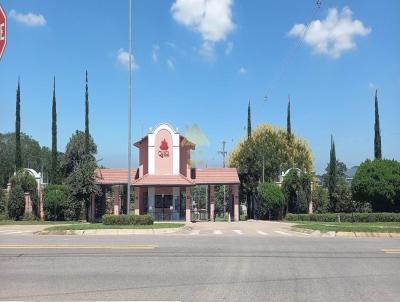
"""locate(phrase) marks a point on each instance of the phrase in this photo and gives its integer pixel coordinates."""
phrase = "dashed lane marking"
(217, 232)
(262, 233)
(391, 251)
(195, 232)
(239, 232)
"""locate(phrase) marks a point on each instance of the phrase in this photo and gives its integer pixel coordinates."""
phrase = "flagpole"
(129, 109)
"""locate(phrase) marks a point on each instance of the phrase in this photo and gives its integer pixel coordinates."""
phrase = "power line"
(223, 153)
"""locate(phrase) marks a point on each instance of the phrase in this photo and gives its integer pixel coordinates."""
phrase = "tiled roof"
(114, 176)
(163, 180)
(216, 176)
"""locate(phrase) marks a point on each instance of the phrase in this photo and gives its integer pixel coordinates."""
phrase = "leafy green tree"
(279, 154)
(87, 135)
(79, 168)
(320, 200)
(378, 182)
(296, 187)
(33, 156)
(340, 169)
(16, 203)
(55, 197)
(332, 176)
(271, 201)
(75, 152)
(54, 154)
(18, 158)
(377, 140)
(3, 203)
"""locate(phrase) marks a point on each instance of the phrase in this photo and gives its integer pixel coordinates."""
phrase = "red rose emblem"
(164, 145)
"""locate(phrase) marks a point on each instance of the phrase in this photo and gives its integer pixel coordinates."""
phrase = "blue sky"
(200, 62)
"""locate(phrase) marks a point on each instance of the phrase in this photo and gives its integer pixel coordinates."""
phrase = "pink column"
(28, 203)
(41, 205)
(117, 199)
(138, 201)
(235, 193)
(212, 202)
(188, 205)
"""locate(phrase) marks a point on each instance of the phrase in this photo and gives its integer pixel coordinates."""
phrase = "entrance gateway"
(164, 179)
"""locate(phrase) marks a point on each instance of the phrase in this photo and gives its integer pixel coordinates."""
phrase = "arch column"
(188, 205)
(235, 193)
(211, 200)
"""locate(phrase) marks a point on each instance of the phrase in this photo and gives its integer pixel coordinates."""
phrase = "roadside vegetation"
(378, 227)
(98, 226)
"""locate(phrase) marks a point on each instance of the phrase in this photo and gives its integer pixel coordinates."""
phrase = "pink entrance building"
(164, 179)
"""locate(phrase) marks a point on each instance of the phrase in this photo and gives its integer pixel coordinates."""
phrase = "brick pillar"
(235, 193)
(8, 187)
(188, 205)
(28, 203)
(41, 205)
(117, 200)
(211, 191)
(138, 201)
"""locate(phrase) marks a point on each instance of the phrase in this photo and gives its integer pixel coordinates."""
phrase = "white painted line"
(17, 232)
(217, 232)
(283, 233)
(195, 232)
(262, 233)
(239, 232)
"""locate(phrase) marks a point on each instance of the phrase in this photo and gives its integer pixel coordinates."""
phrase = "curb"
(316, 233)
(113, 232)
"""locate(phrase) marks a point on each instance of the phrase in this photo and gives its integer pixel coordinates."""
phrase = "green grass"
(35, 222)
(378, 227)
(100, 226)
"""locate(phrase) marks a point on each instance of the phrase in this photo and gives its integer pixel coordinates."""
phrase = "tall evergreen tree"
(289, 126)
(18, 157)
(54, 161)
(377, 141)
(332, 176)
(87, 135)
(248, 121)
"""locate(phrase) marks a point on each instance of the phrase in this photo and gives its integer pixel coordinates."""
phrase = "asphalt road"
(207, 267)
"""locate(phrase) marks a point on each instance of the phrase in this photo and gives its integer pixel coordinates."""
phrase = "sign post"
(3, 31)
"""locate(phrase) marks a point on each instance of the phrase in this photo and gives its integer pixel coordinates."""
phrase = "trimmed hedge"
(346, 217)
(109, 219)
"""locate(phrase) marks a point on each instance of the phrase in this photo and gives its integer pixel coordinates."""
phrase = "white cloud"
(372, 87)
(331, 36)
(154, 53)
(211, 18)
(170, 64)
(229, 48)
(29, 19)
(242, 70)
(207, 50)
(123, 59)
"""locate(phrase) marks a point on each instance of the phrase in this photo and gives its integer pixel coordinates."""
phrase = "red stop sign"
(3, 31)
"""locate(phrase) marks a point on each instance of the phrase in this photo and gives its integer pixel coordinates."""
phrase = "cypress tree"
(377, 141)
(86, 117)
(18, 157)
(332, 175)
(248, 121)
(54, 162)
(289, 126)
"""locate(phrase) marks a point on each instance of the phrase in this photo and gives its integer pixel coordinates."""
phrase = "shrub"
(73, 208)
(127, 219)
(378, 182)
(271, 201)
(29, 217)
(28, 184)
(16, 203)
(3, 217)
(346, 217)
(2, 202)
(320, 200)
(54, 202)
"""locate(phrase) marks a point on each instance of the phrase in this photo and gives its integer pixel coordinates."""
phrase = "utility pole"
(128, 197)
(223, 153)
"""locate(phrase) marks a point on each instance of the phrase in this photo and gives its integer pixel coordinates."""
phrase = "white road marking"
(283, 233)
(239, 232)
(195, 232)
(18, 232)
(217, 232)
(262, 233)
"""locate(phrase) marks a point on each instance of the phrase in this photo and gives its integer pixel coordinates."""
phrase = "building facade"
(164, 179)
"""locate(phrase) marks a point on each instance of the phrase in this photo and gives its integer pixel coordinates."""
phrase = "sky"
(196, 65)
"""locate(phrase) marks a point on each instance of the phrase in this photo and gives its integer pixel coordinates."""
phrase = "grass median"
(370, 227)
(100, 226)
